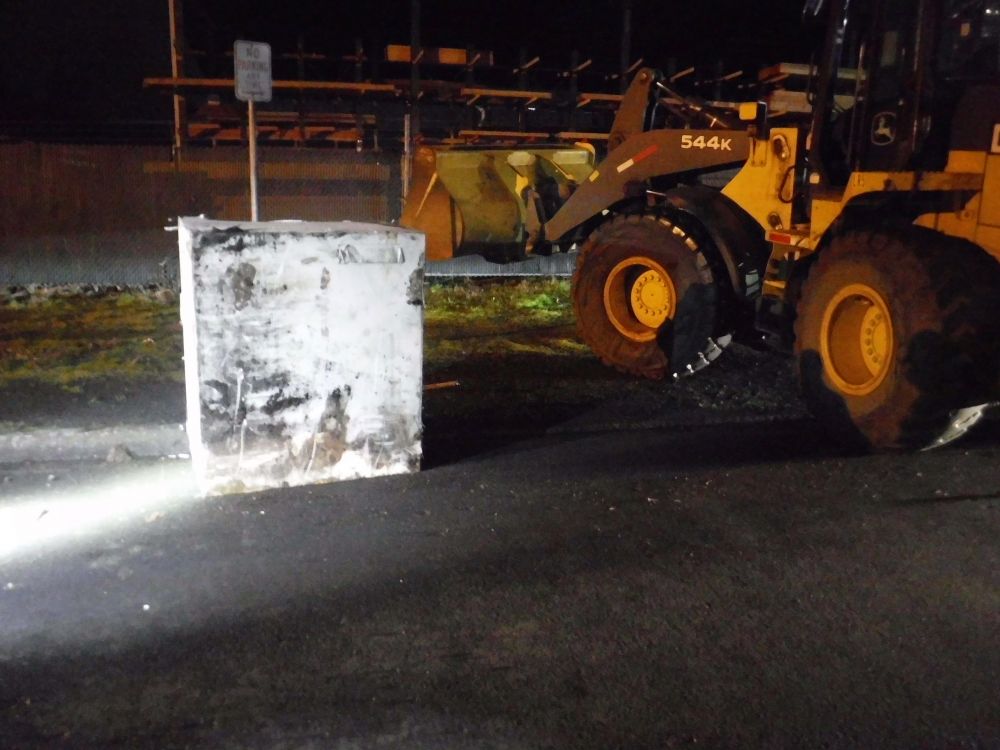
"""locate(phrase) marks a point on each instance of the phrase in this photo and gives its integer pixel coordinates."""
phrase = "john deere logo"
(884, 128)
(995, 149)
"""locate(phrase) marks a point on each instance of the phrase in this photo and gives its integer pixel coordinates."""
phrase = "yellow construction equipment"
(861, 231)
(481, 201)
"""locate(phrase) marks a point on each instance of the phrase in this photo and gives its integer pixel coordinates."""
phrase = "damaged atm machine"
(303, 348)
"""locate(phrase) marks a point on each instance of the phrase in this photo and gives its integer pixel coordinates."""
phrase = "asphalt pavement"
(624, 578)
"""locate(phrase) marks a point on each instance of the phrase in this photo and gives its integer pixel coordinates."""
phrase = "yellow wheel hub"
(856, 340)
(639, 297)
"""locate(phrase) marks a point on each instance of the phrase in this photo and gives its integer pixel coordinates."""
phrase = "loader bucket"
(429, 208)
(473, 202)
(483, 189)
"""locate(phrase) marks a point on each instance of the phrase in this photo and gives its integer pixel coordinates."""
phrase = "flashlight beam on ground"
(43, 521)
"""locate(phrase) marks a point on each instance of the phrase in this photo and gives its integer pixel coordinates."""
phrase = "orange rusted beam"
(505, 93)
(570, 135)
(510, 134)
(599, 97)
(224, 83)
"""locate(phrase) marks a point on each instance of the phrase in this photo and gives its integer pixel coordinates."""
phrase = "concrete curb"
(558, 264)
(78, 444)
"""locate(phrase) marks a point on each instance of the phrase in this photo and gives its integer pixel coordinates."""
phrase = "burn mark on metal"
(280, 401)
(230, 239)
(240, 280)
(415, 288)
(335, 419)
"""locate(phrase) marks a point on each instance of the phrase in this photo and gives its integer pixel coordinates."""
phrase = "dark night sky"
(85, 59)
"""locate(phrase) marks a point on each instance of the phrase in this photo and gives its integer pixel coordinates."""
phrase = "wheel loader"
(862, 235)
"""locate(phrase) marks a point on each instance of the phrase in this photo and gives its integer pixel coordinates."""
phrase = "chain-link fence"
(97, 214)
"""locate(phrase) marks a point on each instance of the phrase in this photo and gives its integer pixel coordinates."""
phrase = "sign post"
(252, 69)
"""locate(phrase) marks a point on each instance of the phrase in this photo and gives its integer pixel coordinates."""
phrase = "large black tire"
(683, 342)
(926, 378)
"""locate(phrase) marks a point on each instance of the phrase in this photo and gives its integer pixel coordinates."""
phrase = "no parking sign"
(252, 66)
(252, 77)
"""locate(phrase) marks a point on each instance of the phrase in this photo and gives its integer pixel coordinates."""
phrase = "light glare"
(60, 518)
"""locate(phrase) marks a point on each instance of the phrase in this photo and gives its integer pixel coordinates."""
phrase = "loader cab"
(883, 47)
(911, 62)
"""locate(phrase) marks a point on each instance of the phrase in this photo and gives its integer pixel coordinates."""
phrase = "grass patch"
(492, 318)
(498, 303)
(68, 338)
